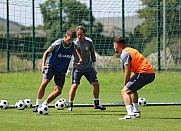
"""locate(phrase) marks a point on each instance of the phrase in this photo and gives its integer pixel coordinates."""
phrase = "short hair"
(81, 28)
(119, 40)
(71, 32)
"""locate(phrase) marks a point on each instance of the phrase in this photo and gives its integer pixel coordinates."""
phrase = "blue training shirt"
(60, 56)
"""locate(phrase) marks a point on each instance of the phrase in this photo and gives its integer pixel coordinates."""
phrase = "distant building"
(113, 25)
(15, 30)
(13, 26)
(23, 33)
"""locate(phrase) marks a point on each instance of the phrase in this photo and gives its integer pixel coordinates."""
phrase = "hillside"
(13, 26)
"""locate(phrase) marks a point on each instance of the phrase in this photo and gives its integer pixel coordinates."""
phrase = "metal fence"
(153, 27)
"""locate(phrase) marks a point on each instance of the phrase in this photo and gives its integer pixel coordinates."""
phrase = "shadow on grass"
(164, 118)
(171, 118)
(90, 113)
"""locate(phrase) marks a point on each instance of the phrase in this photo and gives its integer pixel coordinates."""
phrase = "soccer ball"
(61, 104)
(4, 104)
(142, 101)
(43, 109)
(20, 105)
(28, 103)
(65, 101)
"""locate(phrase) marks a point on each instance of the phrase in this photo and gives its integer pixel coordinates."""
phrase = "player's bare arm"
(79, 53)
(93, 56)
(45, 56)
(127, 73)
(132, 75)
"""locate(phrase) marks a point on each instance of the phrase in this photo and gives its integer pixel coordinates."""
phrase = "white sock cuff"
(135, 104)
(129, 109)
(45, 103)
(38, 101)
(96, 98)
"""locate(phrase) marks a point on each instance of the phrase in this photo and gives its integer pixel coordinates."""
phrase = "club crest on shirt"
(86, 48)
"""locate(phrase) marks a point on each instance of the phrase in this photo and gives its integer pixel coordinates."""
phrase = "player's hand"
(43, 68)
(80, 61)
(95, 68)
(68, 74)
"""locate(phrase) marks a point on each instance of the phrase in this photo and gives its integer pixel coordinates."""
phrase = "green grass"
(165, 88)
(161, 118)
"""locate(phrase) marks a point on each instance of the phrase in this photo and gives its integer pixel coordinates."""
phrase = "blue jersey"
(60, 56)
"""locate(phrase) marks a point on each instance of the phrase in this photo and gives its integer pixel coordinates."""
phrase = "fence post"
(164, 34)
(33, 32)
(123, 25)
(7, 37)
(123, 20)
(60, 10)
(90, 18)
(158, 32)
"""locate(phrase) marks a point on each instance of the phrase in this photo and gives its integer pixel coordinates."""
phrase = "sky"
(20, 11)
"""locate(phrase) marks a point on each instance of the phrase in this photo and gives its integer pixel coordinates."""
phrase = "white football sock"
(70, 101)
(38, 101)
(129, 109)
(135, 107)
(45, 103)
(96, 98)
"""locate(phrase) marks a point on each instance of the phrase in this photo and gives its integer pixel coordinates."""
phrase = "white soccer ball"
(142, 101)
(4, 104)
(61, 104)
(43, 110)
(65, 101)
(28, 103)
(20, 105)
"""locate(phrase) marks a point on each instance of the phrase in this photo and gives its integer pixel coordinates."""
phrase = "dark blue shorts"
(139, 81)
(90, 75)
(59, 78)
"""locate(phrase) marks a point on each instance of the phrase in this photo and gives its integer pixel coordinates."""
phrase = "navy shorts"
(139, 81)
(59, 78)
(90, 75)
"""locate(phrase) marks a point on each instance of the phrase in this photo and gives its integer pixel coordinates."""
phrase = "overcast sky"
(20, 11)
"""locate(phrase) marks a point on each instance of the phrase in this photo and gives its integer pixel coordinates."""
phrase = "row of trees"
(73, 13)
(76, 13)
(173, 26)
(144, 37)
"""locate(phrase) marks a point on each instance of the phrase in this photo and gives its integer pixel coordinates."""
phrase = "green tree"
(148, 13)
(146, 33)
(74, 13)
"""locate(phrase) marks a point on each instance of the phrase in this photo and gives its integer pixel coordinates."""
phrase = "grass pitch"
(160, 118)
(165, 88)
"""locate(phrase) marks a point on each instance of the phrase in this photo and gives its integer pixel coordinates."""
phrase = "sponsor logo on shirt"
(64, 56)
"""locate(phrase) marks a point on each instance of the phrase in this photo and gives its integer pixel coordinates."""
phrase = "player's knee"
(122, 92)
(125, 91)
(58, 92)
(95, 84)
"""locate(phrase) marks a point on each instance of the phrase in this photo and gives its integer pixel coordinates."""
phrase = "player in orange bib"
(142, 73)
